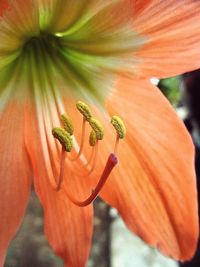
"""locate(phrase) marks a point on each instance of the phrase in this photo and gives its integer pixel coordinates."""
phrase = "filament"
(116, 145)
(91, 156)
(82, 141)
(94, 160)
(62, 168)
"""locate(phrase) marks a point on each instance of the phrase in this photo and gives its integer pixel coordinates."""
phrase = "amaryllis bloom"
(97, 55)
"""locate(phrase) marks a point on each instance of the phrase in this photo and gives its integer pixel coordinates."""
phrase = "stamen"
(82, 141)
(116, 145)
(94, 160)
(63, 137)
(119, 126)
(91, 156)
(67, 124)
(111, 163)
(62, 167)
(84, 110)
(97, 133)
(92, 138)
(94, 144)
(97, 128)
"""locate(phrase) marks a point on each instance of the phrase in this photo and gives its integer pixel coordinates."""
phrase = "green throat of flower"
(64, 136)
(73, 47)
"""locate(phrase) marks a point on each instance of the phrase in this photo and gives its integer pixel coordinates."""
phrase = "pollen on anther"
(67, 124)
(92, 138)
(63, 137)
(97, 128)
(84, 110)
(119, 126)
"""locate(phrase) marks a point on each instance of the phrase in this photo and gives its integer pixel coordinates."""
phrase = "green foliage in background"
(170, 88)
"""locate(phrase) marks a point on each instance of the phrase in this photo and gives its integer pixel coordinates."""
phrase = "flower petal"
(3, 6)
(68, 227)
(154, 186)
(172, 32)
(14, 174)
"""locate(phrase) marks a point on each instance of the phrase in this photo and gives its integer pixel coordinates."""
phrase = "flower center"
(43, 41)
(75, 48)
(64, 136)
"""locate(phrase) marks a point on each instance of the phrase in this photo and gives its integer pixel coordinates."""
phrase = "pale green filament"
(63, 137)
(84, 110)
(67, 124)
(97, 127)
(119, 126)
(92, 138)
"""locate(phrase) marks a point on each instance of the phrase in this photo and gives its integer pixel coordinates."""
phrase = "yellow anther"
(84, 110)
(92, 138)
(67, 124)
(63, 137)
(97, 127)
(119, 126)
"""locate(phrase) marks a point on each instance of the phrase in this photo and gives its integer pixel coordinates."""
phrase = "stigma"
(64, 135)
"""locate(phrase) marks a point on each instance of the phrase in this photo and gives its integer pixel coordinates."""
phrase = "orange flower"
(53, 53)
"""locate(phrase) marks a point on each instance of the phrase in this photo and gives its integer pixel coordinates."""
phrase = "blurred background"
(113, 244)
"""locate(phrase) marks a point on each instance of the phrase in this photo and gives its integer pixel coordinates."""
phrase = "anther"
(119, 126)
(92, 138)
(84, 110)
(67, 124)
(63, 137)
(97, 128)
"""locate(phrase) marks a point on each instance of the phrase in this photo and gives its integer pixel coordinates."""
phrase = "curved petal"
(172, 33)
(68, 227)
(14, 174)
(154, 186)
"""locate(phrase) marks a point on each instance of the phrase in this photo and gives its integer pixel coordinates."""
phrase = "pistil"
(110, 164)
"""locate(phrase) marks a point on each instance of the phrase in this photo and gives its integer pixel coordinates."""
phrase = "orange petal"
(14, 174)
(68, 227)
(172, 33)
(154, 186)
(3, 6)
